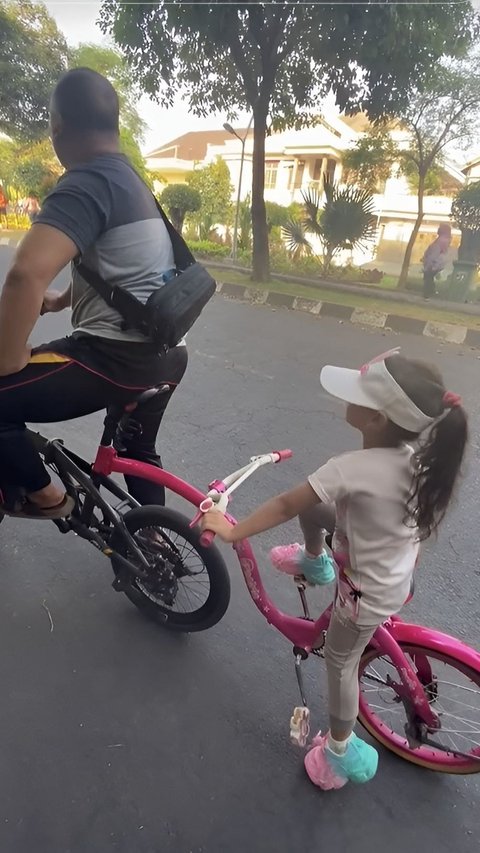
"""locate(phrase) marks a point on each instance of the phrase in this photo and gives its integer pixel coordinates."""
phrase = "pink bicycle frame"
(108, 462)
(303, 632)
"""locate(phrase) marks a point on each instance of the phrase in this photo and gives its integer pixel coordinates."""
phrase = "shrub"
(208, 248)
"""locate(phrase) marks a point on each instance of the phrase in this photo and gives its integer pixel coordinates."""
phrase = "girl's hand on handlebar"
(215, 521)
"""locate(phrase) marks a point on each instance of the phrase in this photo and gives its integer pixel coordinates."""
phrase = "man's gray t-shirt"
(111, 216)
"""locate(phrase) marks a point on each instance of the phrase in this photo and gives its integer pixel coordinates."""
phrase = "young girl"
(379, 503)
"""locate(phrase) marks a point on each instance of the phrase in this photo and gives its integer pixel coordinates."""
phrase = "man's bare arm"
(42, 254)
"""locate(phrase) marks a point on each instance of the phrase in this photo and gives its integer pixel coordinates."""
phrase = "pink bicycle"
(420, 688)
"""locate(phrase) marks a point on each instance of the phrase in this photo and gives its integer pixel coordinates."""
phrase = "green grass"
(369, 303)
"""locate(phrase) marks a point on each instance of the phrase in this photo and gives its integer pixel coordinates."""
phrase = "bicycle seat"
(144, 396)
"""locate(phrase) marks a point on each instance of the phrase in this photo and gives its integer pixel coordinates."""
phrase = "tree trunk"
(402, 281)
(469, 249)
(178, 217)
(260, 257)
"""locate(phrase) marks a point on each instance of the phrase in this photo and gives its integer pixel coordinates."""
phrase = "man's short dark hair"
(86, 102)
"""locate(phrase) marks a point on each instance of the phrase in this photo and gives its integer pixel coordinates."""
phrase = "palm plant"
(345, 221)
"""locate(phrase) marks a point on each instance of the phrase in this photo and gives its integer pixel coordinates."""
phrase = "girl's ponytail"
(438, 463)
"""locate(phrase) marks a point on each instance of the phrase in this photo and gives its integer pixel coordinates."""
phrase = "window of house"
(271, 172)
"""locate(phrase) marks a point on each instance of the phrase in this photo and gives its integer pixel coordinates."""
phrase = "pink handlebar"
(207, 538)
(283, 454)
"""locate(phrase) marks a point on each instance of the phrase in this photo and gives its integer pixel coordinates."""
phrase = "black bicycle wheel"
(188, 588)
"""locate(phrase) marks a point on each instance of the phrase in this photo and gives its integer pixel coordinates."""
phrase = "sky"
(77, 20)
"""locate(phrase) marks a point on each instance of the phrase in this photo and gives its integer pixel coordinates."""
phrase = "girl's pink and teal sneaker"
(293, 560)
(329, 770)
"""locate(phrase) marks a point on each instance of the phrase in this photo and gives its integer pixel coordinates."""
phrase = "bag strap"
(130, 309)
(181, 253)
(118, 297)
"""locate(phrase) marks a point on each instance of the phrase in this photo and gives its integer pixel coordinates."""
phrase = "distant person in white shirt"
(435, 259)
(379, 503)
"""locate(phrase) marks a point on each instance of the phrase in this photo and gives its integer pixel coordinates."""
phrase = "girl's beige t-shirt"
(374, 549)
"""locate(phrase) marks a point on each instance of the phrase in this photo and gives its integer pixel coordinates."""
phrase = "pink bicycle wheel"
(453, 690)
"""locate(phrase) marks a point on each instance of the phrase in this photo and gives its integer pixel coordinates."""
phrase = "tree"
(277, 59)
(36, 169)
(215, 189)
(434, 178)
(277, 215)
(369, 163)
(130, 147)
(346, 221)
(33, 55)
(180, 199)
(8, 156)
(24, 169)
(466, 214)
(445, 113)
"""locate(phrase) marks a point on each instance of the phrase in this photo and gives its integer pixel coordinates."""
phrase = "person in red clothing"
(3, 202)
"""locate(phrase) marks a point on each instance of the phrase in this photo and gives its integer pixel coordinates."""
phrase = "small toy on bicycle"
(378, 503)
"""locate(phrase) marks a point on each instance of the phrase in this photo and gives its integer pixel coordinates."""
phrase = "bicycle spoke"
(452, 683)
(173, 553)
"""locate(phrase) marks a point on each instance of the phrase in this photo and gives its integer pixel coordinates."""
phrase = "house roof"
(193, 145)
(358, 122)
(474, 161)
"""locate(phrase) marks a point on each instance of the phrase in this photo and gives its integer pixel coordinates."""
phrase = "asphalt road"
(117, 736)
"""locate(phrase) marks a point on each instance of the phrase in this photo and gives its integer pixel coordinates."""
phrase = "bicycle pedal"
(300, 726)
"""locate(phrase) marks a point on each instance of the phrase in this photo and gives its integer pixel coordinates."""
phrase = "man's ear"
(56, 124)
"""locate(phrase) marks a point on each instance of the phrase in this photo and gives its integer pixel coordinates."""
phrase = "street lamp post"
(229, 129)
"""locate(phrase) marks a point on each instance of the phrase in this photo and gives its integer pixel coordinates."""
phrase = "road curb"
(446, 332)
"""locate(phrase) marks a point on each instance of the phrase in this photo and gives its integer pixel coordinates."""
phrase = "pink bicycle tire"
(424, 756)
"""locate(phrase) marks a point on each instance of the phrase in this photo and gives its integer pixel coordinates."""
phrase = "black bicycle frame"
(75, 471)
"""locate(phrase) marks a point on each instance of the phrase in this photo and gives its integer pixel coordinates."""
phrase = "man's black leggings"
(74, 377)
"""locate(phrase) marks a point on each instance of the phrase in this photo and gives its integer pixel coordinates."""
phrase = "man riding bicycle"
(102, 211)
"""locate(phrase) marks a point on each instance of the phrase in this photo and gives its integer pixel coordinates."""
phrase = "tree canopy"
(28, 169)
(279, 59)
(180, 199)
(215, 190)
(33, 55)
(369, 163)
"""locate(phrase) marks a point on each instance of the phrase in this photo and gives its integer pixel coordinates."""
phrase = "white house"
(298, 160)
(471, 170)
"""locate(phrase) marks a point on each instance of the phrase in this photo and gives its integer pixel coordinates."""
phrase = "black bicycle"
(157, 556)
